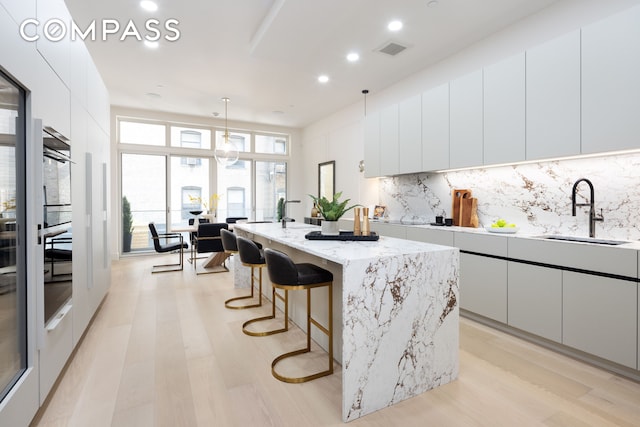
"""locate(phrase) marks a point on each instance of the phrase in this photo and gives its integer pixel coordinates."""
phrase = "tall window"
(177, 175)
(143, 184)
(189, 188)
(13, 330)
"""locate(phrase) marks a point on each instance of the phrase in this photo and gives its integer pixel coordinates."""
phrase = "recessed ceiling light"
(395, 26)
(432, 3)
(278, 112)
(353, 57)
(323, 78)
(153, 95)
(151, 45)
(148, 5)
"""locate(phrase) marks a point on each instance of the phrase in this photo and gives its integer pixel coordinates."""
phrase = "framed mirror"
(326, 179)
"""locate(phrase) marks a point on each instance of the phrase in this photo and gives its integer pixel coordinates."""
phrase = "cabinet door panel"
(610, 89)
(535, 300)
(389, 157)
(483, 286)
(435, 128)
(553, 98)
(466, 121)
(410, 135)
(600, 316)
(504, 111)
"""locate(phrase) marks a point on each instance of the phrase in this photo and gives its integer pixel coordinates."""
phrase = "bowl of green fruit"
(502, 226)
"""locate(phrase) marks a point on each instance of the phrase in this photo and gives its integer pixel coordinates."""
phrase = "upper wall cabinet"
(610, 83)
(435, 128)
(504, 111)
(553, 98)
(20, 10)
(466, 124)
(389, 143)
(372, 145)
(410, 135)
(56, 53)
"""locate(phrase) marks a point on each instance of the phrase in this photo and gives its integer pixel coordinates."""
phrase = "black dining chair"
(180, 245)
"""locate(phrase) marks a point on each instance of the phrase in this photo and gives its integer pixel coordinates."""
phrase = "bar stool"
(250, 256)
(284, 274)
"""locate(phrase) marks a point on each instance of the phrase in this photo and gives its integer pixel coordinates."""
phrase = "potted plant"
(331, 211)
(127, 225)
(280, 208)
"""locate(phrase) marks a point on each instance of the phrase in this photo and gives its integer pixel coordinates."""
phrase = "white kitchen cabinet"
(56, 53)
(389, 156)
(610, 88)
(390, 230)
(372, 145)
(435, 128)
(553, 98)
(430, 235)
(483, 286)
(600, 316)
(535, 300)
(504, 111)
(466, 122)
(410, 135)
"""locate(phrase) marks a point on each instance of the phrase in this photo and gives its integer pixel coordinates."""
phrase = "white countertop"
(340, 252)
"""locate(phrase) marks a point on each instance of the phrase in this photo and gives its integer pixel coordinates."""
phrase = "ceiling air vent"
(391, 48)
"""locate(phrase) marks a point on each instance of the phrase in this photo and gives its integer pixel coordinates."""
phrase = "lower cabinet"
(600, 317)
(535, 300)
(483, 286)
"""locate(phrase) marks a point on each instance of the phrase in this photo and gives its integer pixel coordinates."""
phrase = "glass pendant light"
(226, 153)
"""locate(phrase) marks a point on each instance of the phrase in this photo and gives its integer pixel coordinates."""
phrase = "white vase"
(210, 217)
(330, 228)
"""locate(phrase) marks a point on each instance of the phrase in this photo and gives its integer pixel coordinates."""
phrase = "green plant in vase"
(127, 225)
(331, 211)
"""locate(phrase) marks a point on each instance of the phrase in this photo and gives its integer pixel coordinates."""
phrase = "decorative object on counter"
(331, 211)
(356, 222)
(439, 219)
(464, 208)
(314, 211)
(366, 230)
(379, 212)
(448, 222)
(502, 226)
(343, 235)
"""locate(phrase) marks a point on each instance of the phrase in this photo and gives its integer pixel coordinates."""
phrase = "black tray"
(344, 235)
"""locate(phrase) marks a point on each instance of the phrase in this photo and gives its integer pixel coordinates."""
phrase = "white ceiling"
(266, 55)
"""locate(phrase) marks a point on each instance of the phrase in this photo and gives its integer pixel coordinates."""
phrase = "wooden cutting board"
(469, 212)
(458, 195)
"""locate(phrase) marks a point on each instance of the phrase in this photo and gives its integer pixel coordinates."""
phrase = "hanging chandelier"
(226, 153)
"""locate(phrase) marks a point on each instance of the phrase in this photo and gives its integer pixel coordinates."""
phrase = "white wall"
(327, 138)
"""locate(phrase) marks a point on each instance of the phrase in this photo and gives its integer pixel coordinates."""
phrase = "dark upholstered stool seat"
(250, 256)
(229, 242)
(285, 274)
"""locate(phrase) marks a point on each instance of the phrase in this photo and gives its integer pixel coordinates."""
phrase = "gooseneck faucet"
(286, 219)
(592, 212)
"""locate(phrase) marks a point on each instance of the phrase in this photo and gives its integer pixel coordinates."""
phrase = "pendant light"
(226, 153)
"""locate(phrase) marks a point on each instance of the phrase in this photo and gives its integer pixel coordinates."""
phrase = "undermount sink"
(584, 240)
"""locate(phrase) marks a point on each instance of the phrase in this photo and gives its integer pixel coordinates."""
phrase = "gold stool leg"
(250, 296)
(328, 331)
(274, 295)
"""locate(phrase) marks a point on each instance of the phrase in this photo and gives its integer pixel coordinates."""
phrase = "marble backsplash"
(536, 196)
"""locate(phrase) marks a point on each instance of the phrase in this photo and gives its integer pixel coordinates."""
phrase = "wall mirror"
(326, 179)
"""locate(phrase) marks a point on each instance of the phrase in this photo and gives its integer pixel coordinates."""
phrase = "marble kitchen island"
(396, 320)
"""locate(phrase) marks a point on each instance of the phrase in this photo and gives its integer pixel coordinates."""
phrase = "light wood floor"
(163, 351)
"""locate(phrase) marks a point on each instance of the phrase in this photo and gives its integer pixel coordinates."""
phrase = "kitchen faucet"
(592, 212)
(285, 219)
